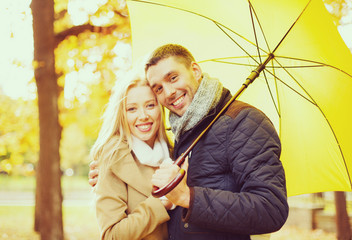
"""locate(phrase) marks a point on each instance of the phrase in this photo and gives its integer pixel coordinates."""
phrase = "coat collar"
(193, 133)
(134, 174)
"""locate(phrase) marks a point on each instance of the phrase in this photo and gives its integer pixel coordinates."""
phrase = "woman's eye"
(173, 78)
(131, 109)
(151, 105)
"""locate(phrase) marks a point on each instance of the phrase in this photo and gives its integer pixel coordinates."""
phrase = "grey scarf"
(206, 98)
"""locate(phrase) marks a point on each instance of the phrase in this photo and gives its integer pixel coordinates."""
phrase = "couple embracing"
(235, 184)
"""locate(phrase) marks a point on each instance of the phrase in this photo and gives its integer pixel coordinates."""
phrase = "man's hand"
(180, 195)
(93, 173)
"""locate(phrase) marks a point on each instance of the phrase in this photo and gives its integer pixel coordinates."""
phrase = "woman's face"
(143, 114)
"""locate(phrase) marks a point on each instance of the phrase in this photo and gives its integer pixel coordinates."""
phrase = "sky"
(16, 46)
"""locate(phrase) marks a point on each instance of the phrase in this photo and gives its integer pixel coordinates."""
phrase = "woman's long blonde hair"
(114, 117)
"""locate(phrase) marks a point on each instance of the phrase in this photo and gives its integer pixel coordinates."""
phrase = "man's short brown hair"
(170, 50)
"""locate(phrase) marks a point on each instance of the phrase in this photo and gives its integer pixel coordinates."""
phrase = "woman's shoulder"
(116, 143)
(115, 146)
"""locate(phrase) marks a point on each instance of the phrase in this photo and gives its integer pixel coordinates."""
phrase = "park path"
(17, 198)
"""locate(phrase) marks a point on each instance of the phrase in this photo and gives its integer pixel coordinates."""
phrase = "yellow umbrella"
(305, 89)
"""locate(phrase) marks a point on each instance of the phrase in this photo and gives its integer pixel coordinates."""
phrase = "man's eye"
(158, 90)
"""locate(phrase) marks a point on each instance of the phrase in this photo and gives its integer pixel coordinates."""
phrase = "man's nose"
(169, 90)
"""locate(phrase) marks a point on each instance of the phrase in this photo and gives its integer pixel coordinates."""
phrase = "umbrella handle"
(159, 192)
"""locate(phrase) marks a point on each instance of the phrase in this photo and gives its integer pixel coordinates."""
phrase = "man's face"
(174, 84)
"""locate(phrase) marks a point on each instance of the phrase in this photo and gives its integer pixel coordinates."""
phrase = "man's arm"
(253, 149)
(93, 173)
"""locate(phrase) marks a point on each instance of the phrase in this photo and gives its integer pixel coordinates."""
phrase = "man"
(235, 181)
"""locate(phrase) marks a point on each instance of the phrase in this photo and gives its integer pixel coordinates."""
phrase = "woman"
(131, 144)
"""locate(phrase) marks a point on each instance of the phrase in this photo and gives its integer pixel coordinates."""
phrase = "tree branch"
(76, 30)
(121, 14)
(60, 15)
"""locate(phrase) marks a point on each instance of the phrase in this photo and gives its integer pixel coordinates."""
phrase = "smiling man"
(172, 80)
(235, 180)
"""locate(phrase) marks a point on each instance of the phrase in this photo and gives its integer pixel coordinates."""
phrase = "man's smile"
(177, 103)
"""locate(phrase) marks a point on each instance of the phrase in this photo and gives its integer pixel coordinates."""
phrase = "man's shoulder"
(236, 107)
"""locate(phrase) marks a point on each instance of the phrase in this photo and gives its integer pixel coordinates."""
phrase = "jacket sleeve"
(111, 210)
(253, 150)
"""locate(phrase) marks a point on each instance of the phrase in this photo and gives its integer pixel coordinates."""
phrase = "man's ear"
(197, 71)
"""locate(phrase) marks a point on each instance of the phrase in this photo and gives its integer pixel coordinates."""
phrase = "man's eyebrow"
(164, 77)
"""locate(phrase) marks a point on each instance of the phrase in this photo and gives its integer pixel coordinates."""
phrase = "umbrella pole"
(159, 192)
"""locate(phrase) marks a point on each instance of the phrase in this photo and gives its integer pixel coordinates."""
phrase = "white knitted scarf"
(151, 156)
(206, 98)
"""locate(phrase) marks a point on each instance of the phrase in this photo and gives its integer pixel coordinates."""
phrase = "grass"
(27, 184)
(14, 216)
(293, 233)
(17, 183)
(16, 223)
(80, 224)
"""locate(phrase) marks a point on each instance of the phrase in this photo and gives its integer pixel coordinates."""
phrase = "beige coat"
(125, 208)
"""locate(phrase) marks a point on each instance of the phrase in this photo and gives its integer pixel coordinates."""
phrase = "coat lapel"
(133, 174)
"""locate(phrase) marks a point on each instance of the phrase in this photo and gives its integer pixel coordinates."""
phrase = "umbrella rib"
(219, 61)
(277, 97)
(254, 30)
(276, 77)
(219, 25)
(252, 65)
(271, 94)
(319, 64)
(321, 111)
(289, 30)
(233, 40)
(260, 26)
(311, 100)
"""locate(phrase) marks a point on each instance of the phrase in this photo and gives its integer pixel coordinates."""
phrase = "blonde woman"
(131, 144)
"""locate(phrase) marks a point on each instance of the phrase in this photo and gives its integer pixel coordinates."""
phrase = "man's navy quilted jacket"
(236, 179)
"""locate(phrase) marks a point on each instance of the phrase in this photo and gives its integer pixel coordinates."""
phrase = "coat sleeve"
(111, 211)
(253, 151)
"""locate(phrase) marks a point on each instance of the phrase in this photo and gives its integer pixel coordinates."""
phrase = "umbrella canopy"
(306, 89)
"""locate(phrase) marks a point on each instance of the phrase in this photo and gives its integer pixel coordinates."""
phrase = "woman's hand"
(180, 195)
(167, 203)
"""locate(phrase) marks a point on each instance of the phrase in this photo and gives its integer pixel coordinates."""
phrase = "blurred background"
(92, 50)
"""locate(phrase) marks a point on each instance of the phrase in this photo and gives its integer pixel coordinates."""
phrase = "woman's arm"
(111, 210)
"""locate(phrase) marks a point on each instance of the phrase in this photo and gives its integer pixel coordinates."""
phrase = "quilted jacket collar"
(194, 132)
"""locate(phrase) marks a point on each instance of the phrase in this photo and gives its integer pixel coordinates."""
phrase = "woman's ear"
(197, 71)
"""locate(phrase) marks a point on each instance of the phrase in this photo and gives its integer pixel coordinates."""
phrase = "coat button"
(186, 225)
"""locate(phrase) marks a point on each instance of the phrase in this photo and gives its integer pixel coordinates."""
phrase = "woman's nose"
(143, 114)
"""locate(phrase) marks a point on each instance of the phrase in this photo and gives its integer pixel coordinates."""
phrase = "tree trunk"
(37, 207)
(342, 220)
(49, 179)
